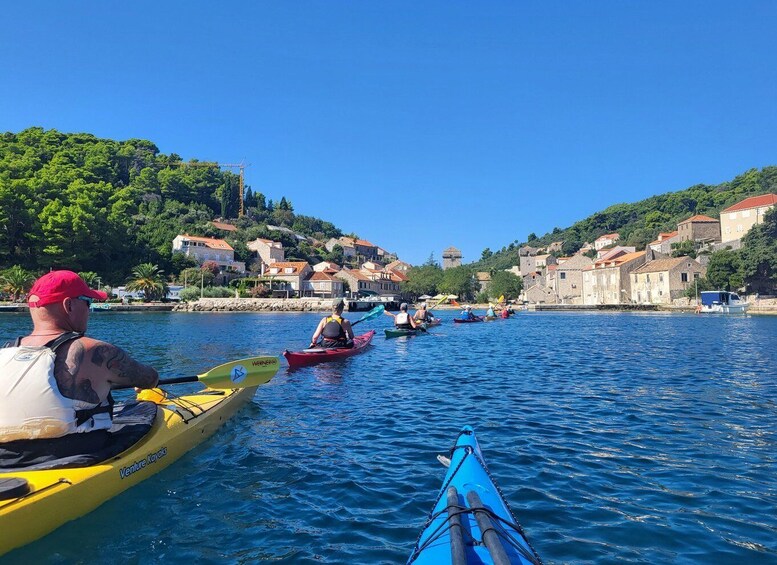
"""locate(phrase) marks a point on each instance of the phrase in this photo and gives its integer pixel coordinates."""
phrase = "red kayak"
(472, 321)
(316, 355)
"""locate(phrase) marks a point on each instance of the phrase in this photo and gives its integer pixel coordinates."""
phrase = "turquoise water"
(616, 438)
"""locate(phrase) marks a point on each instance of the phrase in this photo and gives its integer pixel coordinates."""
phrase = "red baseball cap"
(58, 285)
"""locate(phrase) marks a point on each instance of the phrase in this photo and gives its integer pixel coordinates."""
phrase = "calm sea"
(616, 438)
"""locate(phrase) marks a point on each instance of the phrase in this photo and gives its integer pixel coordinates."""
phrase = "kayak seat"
(131, 422)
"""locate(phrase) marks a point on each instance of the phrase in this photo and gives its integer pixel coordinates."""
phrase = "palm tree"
(90, 278)
(150, 279)
(16, 281)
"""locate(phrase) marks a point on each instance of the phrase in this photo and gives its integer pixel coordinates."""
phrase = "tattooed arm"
(116, 367)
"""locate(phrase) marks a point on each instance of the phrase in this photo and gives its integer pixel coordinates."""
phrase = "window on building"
(745, 213)
(647, 278)
(732, 216)
(562, 276)
(696, 276)
(684, 277)
(660, 277)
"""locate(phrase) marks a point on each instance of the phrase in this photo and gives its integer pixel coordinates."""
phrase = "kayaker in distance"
(74, 415)
(423, 315)
(467, 314)
(490, 312)
(334, 330)
(403, 320)
(504, 313)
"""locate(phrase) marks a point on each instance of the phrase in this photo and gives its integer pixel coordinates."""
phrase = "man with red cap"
(55, 382)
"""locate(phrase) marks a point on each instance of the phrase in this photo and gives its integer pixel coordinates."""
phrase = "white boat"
(721, 302)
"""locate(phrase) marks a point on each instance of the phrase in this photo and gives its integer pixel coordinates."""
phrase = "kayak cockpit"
(131, 423)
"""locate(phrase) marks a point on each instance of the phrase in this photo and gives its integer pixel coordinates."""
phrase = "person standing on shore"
(55, 383)
(334, 330)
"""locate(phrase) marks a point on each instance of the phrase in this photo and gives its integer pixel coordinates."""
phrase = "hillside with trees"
(103, 206)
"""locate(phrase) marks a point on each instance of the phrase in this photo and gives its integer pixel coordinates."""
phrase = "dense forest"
(88, 204)
(640, 223)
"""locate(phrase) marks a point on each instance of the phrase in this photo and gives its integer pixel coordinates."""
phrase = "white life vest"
(31, 405)
(402, 320)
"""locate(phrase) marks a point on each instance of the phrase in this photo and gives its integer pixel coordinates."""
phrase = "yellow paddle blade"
(243, 373)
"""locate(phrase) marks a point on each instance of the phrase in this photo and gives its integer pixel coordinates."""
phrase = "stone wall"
(257, 305)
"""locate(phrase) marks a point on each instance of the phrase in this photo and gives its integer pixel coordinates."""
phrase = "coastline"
(760, 307)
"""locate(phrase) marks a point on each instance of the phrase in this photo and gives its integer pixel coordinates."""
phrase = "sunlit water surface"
(616, 438)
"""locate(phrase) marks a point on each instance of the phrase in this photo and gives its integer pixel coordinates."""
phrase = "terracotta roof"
(211, 242)
(609, 236)
(552, 267)
(753, 202)
(619, 260)
(224, 226)
(298, 267)
(364, 243)
(698, 218)
(662, 265)
(398, 276)
(321, 276)
(355, 274)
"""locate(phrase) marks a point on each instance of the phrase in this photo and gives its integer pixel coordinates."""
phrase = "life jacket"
(31, 404)
(422, 316)
(402, 321)
(333, 329)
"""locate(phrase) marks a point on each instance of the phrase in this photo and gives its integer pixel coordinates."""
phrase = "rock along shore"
(256, 305)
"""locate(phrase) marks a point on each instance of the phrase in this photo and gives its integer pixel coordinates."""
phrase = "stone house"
(663, 280)
(326, 266)
(606, 240)
(290, 274)
(612, 252)
(608, 281)
(323, 284)
(736, 220)
(699, 228)
(527, 259)
(349, 251)
(569, 279)
(482, 280)
(268, 252)
(204, 249)
(538, 294)
(357, 283)
(664, 242)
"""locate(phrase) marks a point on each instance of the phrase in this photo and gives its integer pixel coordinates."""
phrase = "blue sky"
(416, 125)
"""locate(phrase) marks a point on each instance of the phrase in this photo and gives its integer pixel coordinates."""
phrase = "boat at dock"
(721, 302)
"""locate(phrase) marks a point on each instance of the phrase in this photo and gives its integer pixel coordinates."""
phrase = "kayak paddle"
(243, 373)
(377, 311)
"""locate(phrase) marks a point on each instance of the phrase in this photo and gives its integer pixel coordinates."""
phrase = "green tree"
(759, 255)
(458, 281)
(423, 280)
(724, 271)
(16, 281)
(486, 254)
(148, 278)
(505, 283)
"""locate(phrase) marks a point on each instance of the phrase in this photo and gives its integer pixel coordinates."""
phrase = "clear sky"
(416, 125)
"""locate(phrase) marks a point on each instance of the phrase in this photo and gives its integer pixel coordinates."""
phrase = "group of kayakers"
(504, 312)
(56, 383)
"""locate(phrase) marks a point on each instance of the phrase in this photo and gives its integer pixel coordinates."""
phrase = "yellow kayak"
(34, 503)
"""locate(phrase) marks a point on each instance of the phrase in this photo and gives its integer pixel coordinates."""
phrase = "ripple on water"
(617, 438)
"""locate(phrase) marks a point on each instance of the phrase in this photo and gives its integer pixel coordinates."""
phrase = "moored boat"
(721, 302)
(471, 522)
(319, 355)
(36, 502)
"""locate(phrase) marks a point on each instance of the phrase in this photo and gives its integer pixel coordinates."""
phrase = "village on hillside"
(603, 272)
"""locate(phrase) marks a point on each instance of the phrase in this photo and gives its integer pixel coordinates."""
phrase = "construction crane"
(240, 166)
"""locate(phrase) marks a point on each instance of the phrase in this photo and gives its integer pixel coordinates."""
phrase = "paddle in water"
(244, 373)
